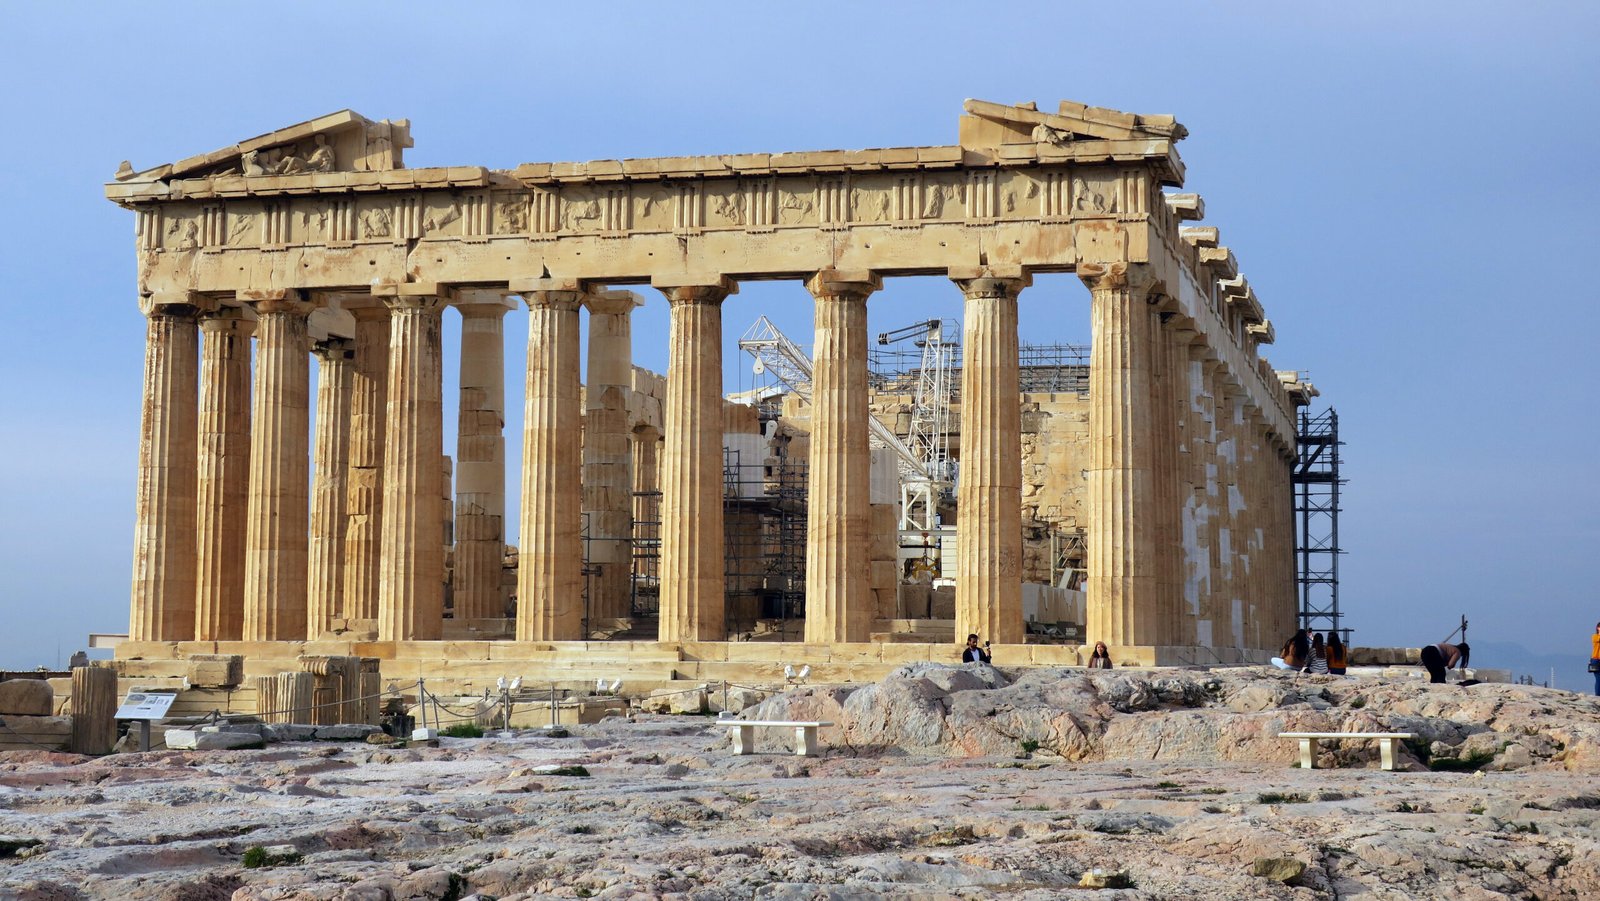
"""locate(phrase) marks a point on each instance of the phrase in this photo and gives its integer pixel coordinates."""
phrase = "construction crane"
(929, 431)
(924, 475)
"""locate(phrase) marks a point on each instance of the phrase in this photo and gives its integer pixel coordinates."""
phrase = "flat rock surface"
(668, 812)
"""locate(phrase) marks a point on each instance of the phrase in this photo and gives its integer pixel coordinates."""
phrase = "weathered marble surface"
(667, 813)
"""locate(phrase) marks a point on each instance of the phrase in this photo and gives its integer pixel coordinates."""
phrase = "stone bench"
(1388, 742)
(805, 734)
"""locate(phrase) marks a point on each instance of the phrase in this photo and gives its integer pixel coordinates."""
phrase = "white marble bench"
(1388, 742)
(805, 734)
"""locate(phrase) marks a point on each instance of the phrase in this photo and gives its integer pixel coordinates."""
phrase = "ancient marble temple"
(256, 525)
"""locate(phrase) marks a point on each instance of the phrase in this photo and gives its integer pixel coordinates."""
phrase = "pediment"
(988, 126)
(344, 141)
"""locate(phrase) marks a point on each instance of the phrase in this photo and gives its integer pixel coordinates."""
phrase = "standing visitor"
(1317, 662)
(1594, 658)
(1338, 655)
(1101, 658)
(1437, 658)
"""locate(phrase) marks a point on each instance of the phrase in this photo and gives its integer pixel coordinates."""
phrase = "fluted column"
(550, 562)
(989, 496)
(839, 604)
(693, 606)
(1164, 466)
(1122, 546)
(481, 457)
(276, 536)
(369, 401)
(1229, 620)
(163, 602)
(411, 553)
(1185, 562)
(607, 456)
(224, 477)
(1202, 468)
(330, 459)
(1217, 603)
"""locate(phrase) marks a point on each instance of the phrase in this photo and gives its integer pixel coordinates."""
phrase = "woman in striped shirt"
(1317, 664)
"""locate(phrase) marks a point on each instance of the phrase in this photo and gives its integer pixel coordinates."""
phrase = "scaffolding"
(1042, 369)
(1316, 484)
(764, 517)
(645, 585)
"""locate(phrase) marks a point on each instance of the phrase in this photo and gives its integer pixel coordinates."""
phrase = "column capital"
(844, 283)
(612, 303)
(999, 280)
(1136, 278)
(334, 348)
(277, 300)
(227, 321)
(695, 288)
(368, 312)
(646, 433)
(482, 302)
(175, 303)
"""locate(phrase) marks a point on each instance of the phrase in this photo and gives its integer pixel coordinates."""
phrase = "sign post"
(145, 707)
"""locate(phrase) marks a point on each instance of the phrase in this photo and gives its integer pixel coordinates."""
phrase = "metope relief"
(510, 214)
(724, 205)
(580, 210)
(796, 206)
(651, 205)
(941, 197)
(871, 201)
(442, 218)
(1097, 194)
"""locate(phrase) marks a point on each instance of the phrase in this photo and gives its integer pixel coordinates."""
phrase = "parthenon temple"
(294, 497)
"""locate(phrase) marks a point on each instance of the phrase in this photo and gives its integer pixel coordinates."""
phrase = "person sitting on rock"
(1437, 658)
(1338, 655)
(1101, 658)
(1294, 652)
(973, 653)
(1317, 661)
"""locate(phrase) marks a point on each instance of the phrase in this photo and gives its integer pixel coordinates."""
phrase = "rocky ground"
(939, 782)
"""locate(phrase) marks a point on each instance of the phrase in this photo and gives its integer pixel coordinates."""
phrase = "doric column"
(330, 459)
(607, 456)
(1202, 469)
(692, 567)
(1217, 604)
(369, 401)
(1122, 606)
(276, 534)
(839, 603)
(411, 553)
(1229, 618)
(481, 457)
(163, 601)
(1185, 558)
(1164, 471)
(224, 483)
(989, 496)
(550, 562)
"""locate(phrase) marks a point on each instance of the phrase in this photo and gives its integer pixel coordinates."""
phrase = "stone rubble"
(1154, 780)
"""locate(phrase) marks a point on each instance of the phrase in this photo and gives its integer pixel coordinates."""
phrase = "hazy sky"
(1410, 187)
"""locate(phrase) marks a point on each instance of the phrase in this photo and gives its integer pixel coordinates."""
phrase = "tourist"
(1338, 655)
(973, 653)
(1594, 658)
(1294, 652)
(1101, 658)
(1317, 660)
(1437, 658)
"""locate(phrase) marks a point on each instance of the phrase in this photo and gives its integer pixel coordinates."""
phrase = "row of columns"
(1190, 504)
(1177, 471)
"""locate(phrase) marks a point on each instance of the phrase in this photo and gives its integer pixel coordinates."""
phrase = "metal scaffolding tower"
(1316, 484)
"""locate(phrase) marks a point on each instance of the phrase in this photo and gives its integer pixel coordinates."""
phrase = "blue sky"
(1409, 187)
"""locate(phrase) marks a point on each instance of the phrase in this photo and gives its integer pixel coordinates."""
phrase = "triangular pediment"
(344, 141)
(988, 126)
